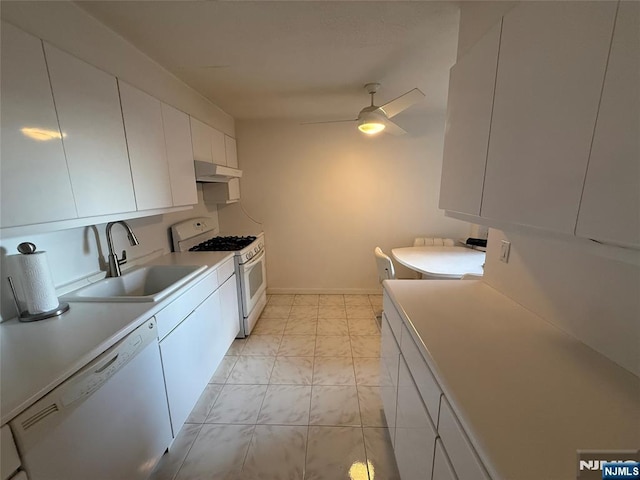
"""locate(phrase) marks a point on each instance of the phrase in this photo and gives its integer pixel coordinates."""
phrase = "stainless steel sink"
(144, 284)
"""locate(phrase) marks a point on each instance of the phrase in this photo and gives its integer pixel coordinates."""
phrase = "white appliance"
(200, 235)
(109, 421)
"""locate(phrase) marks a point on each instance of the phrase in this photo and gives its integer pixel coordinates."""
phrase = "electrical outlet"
(505, 248)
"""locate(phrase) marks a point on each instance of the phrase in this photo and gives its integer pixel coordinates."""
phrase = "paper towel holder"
(25, 316)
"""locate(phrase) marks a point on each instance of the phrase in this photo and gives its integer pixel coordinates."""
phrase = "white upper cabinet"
(610, 208)
(201, 140)
(147, 150)
(208, 143)
(177, 135)
(471, 87)
(218, 149)
(90, 118)
(34, 180)
(551, 68)
(231, 151)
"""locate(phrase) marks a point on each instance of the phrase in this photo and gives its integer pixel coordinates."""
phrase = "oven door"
(253, 282)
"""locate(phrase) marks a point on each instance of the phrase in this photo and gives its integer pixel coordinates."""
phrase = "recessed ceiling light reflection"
(362, 471)
(41, 134)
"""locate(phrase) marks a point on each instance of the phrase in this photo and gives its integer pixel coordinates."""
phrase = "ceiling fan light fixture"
(370, 123)
(370, 127)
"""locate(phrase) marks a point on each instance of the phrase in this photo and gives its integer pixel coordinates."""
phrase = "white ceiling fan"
(374, 119)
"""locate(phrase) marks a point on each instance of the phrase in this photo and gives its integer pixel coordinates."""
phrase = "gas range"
(200, 235)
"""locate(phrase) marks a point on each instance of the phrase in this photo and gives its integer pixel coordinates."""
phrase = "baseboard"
(324, 291)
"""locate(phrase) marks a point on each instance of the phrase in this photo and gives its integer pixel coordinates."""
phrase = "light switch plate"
(505, 248)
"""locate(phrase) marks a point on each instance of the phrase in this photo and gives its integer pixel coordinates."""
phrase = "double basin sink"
(143, 284)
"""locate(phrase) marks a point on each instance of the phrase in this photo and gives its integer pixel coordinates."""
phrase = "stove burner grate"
(225, 244)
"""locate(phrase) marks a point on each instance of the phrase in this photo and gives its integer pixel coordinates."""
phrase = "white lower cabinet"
(189, 359)
(428, 440)
(442, 469)
(415, 432)
(192, 350)
(389, 364)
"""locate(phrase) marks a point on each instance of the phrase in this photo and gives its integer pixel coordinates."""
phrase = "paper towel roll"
(37, 283)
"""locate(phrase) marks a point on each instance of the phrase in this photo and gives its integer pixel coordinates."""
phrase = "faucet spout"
(114, 262)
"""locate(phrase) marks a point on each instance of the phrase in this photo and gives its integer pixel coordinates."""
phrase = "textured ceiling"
(295, 60)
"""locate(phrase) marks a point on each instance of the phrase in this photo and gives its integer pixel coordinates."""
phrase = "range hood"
(212, 173)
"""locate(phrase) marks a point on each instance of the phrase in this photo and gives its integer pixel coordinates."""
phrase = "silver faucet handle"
(123, 260)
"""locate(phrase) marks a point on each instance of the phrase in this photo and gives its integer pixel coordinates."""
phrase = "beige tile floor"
(297, 400)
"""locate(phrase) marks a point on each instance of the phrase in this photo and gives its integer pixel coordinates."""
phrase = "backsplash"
(81, 252)
(591, 297)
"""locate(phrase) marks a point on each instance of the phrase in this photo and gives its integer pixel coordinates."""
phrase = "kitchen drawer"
(395, 322)
(425, 381)
(225, 270)
(464, 459)
(9, 460)
(168, 318)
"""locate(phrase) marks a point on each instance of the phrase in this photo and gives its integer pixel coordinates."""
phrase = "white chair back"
(385, 266)
(433, 242)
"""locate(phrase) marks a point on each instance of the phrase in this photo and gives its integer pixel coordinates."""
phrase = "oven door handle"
(251, 263)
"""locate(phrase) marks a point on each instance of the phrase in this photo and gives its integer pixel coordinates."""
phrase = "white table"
(445, 262)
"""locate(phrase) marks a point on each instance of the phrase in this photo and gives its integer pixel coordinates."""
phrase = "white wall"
(77, 253)
(80, 252)
(594, 298)
(327, 195)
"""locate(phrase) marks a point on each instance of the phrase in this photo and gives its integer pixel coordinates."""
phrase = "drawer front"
(464, 459)
(415, 433)
(389, 363)
(425, 381)
(169, 317)
(9, 460)
(442, 469)
(225, 270)
(395, 321)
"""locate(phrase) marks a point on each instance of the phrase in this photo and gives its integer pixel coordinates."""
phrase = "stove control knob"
(256, 249)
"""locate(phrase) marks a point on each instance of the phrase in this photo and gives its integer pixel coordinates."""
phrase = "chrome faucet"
(114, 262)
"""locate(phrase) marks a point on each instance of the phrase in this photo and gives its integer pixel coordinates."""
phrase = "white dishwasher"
(110, 421)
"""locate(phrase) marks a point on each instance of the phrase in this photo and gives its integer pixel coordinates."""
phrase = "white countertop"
(36, 357)
(442, 261)
(527, 393)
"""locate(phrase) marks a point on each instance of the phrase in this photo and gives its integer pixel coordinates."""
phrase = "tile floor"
(298, 399)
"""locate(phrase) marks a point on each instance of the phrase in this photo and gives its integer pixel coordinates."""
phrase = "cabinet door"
(471, 86)
(188, 361)
(218, 149)
(231, 151)
(34, 180)
(177, 137)
(442, 469)
(610, 207)
(147, 151)
(200, 140)
(90, 118)
(550, 72)
(389, 364)
(230, 316)
(415, 434)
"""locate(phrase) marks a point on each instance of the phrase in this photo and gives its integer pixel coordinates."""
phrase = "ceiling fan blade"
(330, 121)
(393, 129)
(397, 105)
